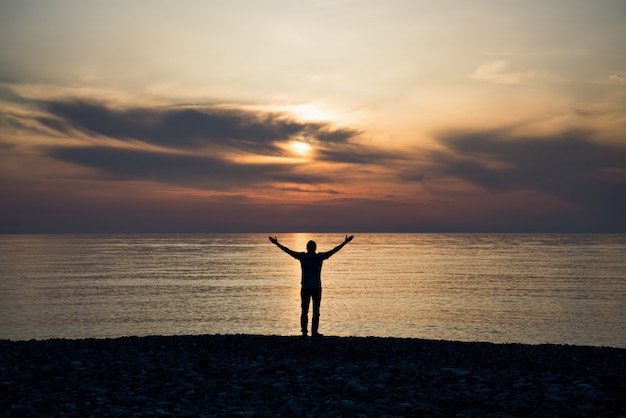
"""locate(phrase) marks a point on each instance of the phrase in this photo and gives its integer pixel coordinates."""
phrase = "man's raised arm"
(339, 247)
(274, 241)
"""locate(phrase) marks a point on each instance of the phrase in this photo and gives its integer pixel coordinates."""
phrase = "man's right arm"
(292, 253)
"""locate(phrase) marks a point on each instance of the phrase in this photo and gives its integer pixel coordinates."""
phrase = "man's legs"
(317, 301)
(305, 295)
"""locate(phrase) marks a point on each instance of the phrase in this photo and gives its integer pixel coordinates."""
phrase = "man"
(311, 264)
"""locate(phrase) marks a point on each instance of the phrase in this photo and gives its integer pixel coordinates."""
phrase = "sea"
(499, 288)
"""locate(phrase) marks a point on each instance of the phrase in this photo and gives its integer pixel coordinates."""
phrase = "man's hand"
(348, 238)
(273, 240)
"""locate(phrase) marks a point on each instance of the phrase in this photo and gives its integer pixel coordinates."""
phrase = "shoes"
(317, 334)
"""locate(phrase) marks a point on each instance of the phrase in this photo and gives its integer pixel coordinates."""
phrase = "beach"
(263, 376)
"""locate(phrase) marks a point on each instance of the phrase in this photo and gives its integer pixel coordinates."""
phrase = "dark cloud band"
(189, 128)
(571, 165)
(211, 132)
(186, 170)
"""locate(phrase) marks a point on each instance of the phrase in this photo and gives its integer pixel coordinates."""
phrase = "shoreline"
(257, 375)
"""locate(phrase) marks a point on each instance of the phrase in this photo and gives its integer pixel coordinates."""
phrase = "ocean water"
(503, 288)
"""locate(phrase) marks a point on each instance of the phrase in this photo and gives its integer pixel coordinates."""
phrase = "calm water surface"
(565, 289)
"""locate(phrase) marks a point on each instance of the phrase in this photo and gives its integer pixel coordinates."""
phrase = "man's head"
(311, 246)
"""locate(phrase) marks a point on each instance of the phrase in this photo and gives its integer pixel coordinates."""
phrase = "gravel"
(266, 376)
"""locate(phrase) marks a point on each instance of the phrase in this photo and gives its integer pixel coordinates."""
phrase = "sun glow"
(309, 112)
(300, 148)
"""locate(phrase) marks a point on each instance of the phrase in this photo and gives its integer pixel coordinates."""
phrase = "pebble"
(265, 376)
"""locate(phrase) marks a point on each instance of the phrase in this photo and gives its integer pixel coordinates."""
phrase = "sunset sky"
(320, 115)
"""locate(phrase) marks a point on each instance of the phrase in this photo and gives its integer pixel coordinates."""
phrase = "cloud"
(6, 145)
(498, 71)
(196, 143)
(359, 154)
(197, 171)
(314, 191)
(189, 127)
(571, 166)
(618, 77)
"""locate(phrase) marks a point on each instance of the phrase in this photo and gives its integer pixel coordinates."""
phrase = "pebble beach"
(266, 376)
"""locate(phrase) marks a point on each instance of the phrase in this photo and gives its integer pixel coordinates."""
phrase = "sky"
(312, 116)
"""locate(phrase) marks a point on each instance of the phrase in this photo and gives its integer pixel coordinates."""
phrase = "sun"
(300, 148)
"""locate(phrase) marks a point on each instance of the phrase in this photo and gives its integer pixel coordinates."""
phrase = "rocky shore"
(265, 376)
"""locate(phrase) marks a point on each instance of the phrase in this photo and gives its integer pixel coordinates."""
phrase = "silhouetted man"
(311, 264)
